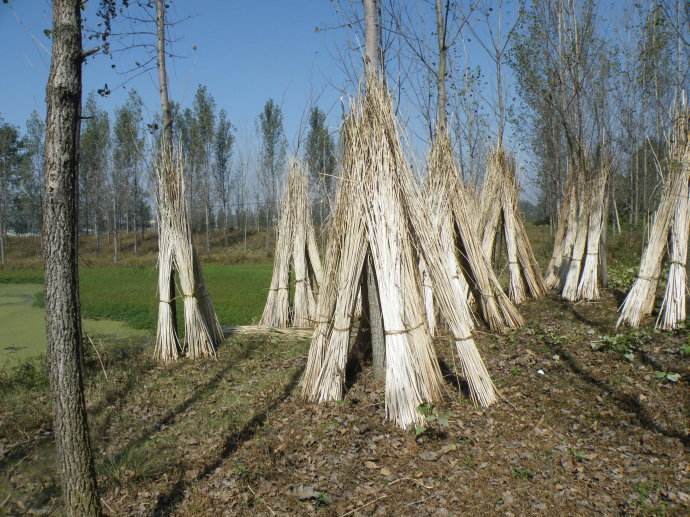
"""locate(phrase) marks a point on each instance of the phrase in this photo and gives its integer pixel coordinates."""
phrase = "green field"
(22, 329)
(111, 296)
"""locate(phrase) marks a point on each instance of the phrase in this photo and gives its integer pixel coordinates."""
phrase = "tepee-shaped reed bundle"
(575, 265)
(500, 213)
(455, 225)
(176, 254)
(562, 242)
(379, 210)
(296, 251)
(668, 237)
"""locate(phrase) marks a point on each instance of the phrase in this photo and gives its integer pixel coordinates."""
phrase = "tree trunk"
(225, 224)
(97, 233)
(208, 226)
(116, 240)
(245, 230)
(162, 74)
(167, 135)
(372, 52)
(378, 342)
(134, 212)
(60, 242)
(372, 65)
(441, 74)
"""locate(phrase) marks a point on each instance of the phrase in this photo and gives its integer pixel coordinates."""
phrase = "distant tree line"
(117, 190)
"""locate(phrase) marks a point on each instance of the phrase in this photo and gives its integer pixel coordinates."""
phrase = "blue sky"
(245, 51)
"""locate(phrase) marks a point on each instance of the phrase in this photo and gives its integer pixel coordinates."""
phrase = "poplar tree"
(60, 242)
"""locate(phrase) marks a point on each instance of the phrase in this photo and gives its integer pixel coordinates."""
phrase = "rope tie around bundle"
(295, 251)
(178, 257)
(406, 330)
(379, 210)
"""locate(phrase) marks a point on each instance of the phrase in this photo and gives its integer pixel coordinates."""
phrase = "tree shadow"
(650, 360)
(169, 418)
(626, 402)
(452, 378)
(602, 326)
(618, 295)
(168, 502)
(111, 399)
(360, 354)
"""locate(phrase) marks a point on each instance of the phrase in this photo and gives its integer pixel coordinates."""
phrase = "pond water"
(22, 325)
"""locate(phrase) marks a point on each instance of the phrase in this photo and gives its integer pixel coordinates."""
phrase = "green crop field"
(129, 294)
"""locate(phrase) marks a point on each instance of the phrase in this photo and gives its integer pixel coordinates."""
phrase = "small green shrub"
(522, 473)
(621, 276)
(28, 375)
(434, 419)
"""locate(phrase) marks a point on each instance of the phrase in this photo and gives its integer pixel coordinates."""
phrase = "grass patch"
(21, 276)
(151, 426)
(522, 473)
(129, 294)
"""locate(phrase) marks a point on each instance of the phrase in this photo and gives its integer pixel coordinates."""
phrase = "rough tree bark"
(372, 52)
(372, 65)
(163, 75)
(2, 243)
(441, 22)
(166, 115)
(60, 238)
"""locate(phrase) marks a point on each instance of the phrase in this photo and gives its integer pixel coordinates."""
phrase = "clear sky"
(244, 51)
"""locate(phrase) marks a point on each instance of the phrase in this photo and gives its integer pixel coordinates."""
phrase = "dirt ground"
(583, 430)
(591, 423)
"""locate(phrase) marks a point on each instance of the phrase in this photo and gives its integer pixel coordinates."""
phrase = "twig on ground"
(107, 505)
(364, 505)
(419, 501)
(97, 355)
(260, 499)
(410, 479)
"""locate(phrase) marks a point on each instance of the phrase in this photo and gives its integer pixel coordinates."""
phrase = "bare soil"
(591, 423)
(580, 432)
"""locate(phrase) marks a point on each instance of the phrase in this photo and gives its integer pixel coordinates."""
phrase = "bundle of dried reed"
(588, 287)
(562, 242)
(443, 227)
(671, 217)
(176, 254)
(455, 223)
(576, 266)
(167, 348)
(673, 306)
(296, 251)
(328, 293)
(451, 300)
(379, 211)
(428, 296)
(501, 214)
(490, 198)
